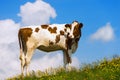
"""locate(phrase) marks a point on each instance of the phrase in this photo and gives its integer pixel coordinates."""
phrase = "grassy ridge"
(101, 70)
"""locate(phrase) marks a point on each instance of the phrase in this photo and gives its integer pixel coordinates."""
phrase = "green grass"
(101, 70)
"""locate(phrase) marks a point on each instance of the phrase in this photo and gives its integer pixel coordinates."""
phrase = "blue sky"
(94, 14)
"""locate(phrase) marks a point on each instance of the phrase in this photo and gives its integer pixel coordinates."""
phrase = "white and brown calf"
(48, 38)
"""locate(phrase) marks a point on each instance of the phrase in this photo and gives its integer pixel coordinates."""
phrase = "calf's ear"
(80, 25)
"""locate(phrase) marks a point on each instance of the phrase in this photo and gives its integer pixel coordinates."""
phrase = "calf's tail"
(22, 43)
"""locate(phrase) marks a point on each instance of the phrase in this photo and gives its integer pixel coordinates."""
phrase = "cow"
(48, 38)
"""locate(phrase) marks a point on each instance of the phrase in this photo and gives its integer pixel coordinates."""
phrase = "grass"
(106, 69)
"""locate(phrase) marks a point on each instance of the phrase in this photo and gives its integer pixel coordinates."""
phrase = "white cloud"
(8, 48)
(8, 30)
(105, 33)
(36, 13)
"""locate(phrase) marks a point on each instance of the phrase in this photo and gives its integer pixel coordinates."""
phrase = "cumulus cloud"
(8, 48)
(105, 33)
(36, 13)
(7, 31)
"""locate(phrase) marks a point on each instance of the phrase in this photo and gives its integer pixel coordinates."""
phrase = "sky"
(100, 33)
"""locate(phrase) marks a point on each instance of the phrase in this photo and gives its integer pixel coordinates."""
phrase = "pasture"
(105, 69)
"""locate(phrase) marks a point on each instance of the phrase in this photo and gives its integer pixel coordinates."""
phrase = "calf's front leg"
(67, 57)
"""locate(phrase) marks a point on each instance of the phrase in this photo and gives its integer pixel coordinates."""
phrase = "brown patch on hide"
(44, 26)
(76, 31)
(57, 38)
(65, 30)
(37, 29)
(68, 26)
(61, 32)
(52, 30)
(25, 33)
(23, 36)
(68, 57)
(51, 43)
(68, 43)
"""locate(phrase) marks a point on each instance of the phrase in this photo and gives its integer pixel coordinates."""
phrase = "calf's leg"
(66, 57)
(28, 59)
(22, 59)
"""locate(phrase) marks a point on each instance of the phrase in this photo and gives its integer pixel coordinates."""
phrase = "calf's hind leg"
(28, 59)
(22, 59)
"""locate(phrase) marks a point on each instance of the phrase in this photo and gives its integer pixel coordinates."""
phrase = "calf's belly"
(49, 48)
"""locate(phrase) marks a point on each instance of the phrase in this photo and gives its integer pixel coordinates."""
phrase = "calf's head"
(75, 32)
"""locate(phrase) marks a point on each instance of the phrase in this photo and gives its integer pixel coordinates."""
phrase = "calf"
(48, 38)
